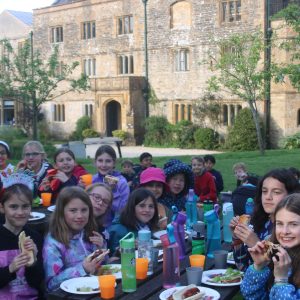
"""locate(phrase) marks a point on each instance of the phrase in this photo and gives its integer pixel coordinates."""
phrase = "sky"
(23, 5)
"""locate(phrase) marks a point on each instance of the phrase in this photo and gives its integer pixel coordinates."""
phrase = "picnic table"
(150, 288)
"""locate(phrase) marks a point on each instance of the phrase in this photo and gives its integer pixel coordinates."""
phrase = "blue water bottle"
(213, 236)
(249, 207)
(227, 217)
(191, 210)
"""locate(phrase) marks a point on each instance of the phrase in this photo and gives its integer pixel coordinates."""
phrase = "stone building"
(107, 38)
(15, 26)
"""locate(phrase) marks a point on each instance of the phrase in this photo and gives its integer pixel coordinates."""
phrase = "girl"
(180, 180)
(154, 180)
(17, 279)
(5, 169)
(101, 197)
(279, 277)
(105, 160)
(66, 173)
(140, 212)
(34, 159)
(71, 239)
(204, 183)
(272, 188)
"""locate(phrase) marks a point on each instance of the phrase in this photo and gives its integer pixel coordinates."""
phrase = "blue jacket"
(218, 180)
(253, 287)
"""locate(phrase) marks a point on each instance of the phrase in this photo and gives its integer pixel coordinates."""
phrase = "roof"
(60, 2)
(25, 17)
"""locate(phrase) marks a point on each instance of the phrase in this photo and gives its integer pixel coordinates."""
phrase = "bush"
(82, 123)
(158, 131)
(292, 142)
(184, 134)
(121, 134)
(89, 133)
(206, 138)
(43, 130)
(242, 135)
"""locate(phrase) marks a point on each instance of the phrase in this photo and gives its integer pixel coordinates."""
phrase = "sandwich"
(190, 292)
(271, 249)
(244, 219)
(99, 254)
(22, 240)
(111, 180)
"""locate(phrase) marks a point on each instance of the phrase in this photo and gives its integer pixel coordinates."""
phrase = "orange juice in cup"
(197, 260)
(87, 179)
(141, 267)
(107, 286)
(46, 198)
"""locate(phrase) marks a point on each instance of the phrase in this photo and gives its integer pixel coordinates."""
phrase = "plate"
(206, 277)
(208, 292)
(116, 270)
(230, 259)
(71, 285)
(36, 216)
(160, 254)
(51, 208)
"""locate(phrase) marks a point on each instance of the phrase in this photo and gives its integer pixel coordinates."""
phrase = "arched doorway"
(113, 117)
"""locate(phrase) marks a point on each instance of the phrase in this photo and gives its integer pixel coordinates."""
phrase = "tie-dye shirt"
(61, 262)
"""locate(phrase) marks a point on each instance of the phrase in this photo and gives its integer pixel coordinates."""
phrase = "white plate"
(208, 292)
(160, 253)
(157, 243)
(230, 259)
(36, 216)
(117, 274)
(206, 278)
(158, 234)
(51, 208)
(73, 284)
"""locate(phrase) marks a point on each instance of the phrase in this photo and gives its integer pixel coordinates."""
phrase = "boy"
(209, 162)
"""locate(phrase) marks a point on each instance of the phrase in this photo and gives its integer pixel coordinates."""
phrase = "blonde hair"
(36, 144)
(239, 165)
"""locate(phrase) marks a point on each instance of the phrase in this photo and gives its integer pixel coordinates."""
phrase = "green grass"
(255, 162)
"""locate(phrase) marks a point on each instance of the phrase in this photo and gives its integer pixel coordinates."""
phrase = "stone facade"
(179, 36)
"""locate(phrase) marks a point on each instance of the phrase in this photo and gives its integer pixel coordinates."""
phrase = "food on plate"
(111, 180)
(271, 249)
(108, 270)
(99, 254)
(22, 240)
(244, 219)
(230, 276)
(190, 292)
(86, 289)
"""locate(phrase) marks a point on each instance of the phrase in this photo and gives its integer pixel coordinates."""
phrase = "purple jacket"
(120, 193)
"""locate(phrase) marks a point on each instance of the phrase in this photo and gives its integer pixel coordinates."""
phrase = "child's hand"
(257, 253)
(90, 266)
(245, 234)
(18, 262)
(22, 164)
(29, 245)
(282, 264)
(81, 183)
(96, 239)
(233, 223)
(61, 176)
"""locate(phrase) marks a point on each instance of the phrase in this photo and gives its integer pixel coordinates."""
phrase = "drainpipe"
(146, 89)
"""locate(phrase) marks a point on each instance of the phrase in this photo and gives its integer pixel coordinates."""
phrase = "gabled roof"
(59, 2)
(25, 17)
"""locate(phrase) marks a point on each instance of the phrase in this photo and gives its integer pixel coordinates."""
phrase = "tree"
(239, 71)
(291, 15)
(32, 81)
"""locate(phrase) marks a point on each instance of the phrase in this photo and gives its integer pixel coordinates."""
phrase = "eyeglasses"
(2, 153)
(98, 198)
(33, 154)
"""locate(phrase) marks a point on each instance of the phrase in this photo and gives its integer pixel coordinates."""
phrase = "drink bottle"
(145, 247)
(127, 247)
(191, 210)
(227, 217)
(198, 243)
(207, 206)
(179, 233)
(249, 207)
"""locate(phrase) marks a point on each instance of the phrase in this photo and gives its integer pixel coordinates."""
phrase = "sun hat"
(152, 174)
(5, 145)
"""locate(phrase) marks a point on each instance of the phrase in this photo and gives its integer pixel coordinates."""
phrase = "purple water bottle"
(171, 268)
(179, 220)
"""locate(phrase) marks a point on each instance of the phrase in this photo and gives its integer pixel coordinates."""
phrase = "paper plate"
(208, 275)
(208, 292)
(73, 285)
(36, 216)
(51, 208)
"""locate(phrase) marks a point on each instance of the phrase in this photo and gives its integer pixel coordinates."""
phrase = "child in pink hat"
(154, 179)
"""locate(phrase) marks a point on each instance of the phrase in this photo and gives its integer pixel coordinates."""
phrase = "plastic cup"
(220, 257)
(194, 275)
(141, 267)
(46, 198)
(197, 260)
(107, 286)
(87, 179)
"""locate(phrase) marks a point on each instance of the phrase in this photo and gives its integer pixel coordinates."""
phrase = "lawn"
(256, 163)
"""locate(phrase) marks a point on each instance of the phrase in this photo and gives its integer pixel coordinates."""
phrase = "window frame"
(125, 64)
(122, 28)
(89, 66)
(56, 34)
(230, 14)
(182, 60)
(59, 113)
(88, 30)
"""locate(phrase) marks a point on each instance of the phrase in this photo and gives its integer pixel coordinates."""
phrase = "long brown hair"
(292, 204)
(58, 226)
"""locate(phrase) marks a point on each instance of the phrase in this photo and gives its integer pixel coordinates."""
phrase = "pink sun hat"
(152, 174)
